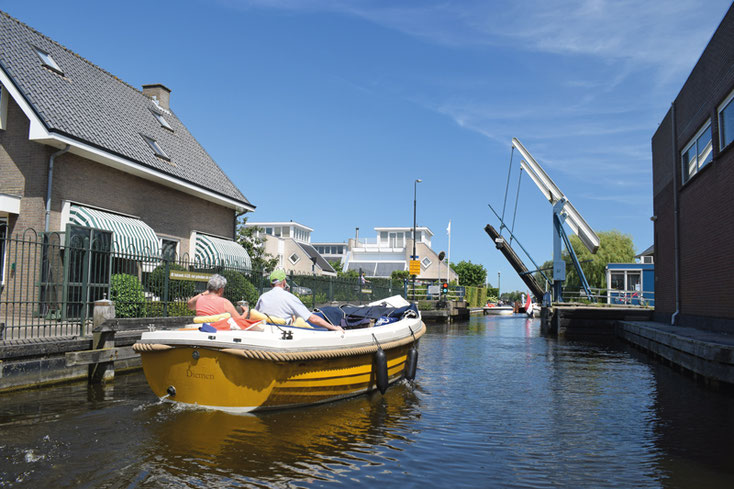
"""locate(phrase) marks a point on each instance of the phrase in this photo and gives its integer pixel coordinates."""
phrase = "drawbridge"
(563, 213)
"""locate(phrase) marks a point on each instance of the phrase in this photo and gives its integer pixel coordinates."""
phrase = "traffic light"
(444, 288)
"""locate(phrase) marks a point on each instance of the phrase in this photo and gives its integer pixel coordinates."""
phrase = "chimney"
(158, 93)
(356, 236)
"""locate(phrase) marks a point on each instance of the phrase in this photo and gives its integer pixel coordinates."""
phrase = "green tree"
(470, 273)
(614, 247)
(336, 265)
(255, 246)
(399, 274)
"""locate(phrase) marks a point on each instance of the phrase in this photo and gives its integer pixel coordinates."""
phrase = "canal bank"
(707, 355)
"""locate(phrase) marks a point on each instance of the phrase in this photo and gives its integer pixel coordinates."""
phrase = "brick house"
(85, 155)
(693, 177)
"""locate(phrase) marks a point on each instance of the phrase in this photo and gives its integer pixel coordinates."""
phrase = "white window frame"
(157, 149)
(161, 120)
(298, 258)
(426, 265)
(47, 60)
(174, 240)
(694, 142)
(727, 103)
(3, 256)
(3, 108)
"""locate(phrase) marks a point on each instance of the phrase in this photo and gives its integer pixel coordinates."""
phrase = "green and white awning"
(130, 236)
(211, 252)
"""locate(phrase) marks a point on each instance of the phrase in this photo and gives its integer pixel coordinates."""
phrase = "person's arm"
(228, 307)
(192, 301)
(317, 320)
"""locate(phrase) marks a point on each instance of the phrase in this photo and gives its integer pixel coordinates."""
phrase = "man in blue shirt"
(280, 303)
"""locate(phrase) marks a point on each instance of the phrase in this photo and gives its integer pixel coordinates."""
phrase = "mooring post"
(103, 338)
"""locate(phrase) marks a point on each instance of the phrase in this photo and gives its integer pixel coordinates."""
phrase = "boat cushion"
(353, 314)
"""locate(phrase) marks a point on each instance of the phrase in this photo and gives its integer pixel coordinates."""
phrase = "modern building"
(693, 177)
(631, 283)
(86, 156)
(290, 243)
(332, 252)
(391, 250)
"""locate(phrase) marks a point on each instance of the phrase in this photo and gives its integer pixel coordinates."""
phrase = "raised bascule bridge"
(556, 315)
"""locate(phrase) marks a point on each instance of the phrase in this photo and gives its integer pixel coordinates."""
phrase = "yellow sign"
(191, 276)
(415, 267)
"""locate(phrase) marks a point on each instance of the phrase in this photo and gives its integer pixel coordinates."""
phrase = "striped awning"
(211, 251)
(130, 236)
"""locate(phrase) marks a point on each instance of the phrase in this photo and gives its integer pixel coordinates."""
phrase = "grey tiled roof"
(93, 106)
(312, 253)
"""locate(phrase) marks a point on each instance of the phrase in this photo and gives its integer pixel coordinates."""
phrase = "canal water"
(494, 405)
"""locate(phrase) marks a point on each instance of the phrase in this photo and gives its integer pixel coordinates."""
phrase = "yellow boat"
(280, 366)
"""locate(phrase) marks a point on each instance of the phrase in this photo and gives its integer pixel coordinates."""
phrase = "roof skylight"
(47, 60)
(162, 120)
(157, 150)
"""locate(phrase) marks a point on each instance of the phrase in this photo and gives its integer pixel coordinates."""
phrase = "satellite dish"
(554, 195)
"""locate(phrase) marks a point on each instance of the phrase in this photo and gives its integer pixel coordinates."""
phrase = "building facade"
(693, 174)
(85, 156)
(391, 250)
(290, 243)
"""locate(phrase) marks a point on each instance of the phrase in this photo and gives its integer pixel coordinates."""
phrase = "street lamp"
(415, 190)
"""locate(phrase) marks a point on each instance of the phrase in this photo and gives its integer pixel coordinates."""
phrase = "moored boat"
(281, 366)
(495, 310)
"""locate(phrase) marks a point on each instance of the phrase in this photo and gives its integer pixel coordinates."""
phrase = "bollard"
(103, 338)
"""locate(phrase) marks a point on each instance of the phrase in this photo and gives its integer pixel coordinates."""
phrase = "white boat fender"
(380, 368)
(411, 360)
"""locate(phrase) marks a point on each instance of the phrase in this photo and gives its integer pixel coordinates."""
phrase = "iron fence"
(50, 282)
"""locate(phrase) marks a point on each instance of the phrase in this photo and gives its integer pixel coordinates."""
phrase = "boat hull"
(218, 379)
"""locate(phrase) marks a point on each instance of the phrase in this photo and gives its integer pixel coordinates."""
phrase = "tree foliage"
(614, 247)
(470, 273)
(255, 246)
(399, 274)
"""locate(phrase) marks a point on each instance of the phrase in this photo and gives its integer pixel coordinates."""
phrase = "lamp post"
(415, 190)
(498, 287)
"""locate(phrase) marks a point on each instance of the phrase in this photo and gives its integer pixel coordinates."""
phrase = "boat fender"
(381, 370)
(171, 391)
(411, 363)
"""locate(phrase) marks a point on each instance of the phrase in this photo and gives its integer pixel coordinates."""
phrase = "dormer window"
(157, 150)
(161, 120)
(48, 61)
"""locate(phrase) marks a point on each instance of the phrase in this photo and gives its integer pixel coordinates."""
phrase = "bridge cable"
(517, 198)
(507, 187)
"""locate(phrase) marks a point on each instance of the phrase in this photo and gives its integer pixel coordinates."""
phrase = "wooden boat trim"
(292, 356)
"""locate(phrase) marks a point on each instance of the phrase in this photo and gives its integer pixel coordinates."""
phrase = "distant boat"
(495, 310)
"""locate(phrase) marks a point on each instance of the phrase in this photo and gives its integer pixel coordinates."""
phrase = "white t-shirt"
(281, 303)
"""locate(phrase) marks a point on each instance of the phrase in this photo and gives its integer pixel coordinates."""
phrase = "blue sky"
(326, 111)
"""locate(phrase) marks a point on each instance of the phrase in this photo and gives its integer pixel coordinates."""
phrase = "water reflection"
(306, 444)
(495, 405)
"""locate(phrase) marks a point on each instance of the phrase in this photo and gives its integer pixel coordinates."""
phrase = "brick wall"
(705, 202)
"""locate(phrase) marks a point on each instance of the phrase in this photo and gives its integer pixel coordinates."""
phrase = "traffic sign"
(415, 267)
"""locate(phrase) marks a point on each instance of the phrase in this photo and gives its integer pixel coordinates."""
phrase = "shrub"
(177, 289)
(127, 293)
(154, 309)
(239, 288)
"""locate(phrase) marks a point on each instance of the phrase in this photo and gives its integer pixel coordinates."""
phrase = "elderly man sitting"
(281, 303)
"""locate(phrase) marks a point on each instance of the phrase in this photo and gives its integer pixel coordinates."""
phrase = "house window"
(3, 108)
(697, 153)
(169, 248)
(294, 258)
(3, 237)
(426, 262)
(161, 120)
(726, 122)
(48, 61)
(157, 150)
(269, 231)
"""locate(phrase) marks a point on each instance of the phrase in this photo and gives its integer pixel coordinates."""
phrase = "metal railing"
(51, 281)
